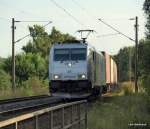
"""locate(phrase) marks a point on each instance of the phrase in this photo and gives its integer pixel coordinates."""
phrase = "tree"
(34, 60)
(144, 46)
(144, 63)
(5, 80)
(42, 41)
(57, 36)
(146, 8)
(28, 65)
(144, 56)
(125, 63)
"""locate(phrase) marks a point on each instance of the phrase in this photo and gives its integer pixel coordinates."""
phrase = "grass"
(31, 87)
(121, 109)
(115, 111)
(22, 92)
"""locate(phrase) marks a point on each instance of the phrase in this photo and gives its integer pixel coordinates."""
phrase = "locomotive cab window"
(78, 54)
(61, 54)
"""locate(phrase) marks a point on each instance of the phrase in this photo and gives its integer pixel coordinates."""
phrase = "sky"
(83, 14)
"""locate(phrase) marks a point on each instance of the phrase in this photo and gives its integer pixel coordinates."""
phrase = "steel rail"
(21, 99)
(27, 104)
(36, 113)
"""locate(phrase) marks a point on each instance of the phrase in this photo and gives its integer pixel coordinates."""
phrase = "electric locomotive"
(76, 70)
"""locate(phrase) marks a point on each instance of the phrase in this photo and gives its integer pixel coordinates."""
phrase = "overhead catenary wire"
(33, 21)
(78, 5)
(106, 35)
(26, 12)
(83, 9)
(30, 34)
(93, 17)
(20, 10)
(67, 12)
(90, 15)
(8, 20)
(116, 30)
(26, 21)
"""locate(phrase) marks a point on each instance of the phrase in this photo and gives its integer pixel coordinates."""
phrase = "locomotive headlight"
(70, 65)
(82, 76)
(56, 76)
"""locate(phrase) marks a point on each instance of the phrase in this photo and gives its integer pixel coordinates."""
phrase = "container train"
(77, 70)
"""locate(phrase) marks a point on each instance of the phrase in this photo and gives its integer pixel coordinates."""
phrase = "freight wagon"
(111, 73)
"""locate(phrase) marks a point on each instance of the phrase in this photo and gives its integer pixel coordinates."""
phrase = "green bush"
(145, 81)
(5, 81)
(35, 86)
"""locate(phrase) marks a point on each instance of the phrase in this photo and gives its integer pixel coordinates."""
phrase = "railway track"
(61, 116)
(21, 99)
(13, 107)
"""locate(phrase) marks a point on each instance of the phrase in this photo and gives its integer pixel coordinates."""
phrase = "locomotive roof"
(70, 45)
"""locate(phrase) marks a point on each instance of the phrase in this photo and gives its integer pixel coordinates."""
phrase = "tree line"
(126, 56)
(33, 61)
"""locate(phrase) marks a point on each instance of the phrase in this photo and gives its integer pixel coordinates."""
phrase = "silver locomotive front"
(68, 68)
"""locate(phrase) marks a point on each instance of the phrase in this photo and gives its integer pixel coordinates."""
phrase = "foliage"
(146, 8)
(27, 65)
(122, 58)
(33, 86)
(120, 108)
(125, 69)
(144, 57)
(144, 64)
(42, 41)
(34, 60)
(127, 88)
(5, 80)
(144, 51)
(145, 82)
(35, 82)
(2, 63)
(31, 65)
(118, 112)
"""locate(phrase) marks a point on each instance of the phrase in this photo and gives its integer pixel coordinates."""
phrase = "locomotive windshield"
(61, 54)
(74, 54)
(78, 54)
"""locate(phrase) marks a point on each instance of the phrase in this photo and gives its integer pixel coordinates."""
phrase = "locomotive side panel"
(96, 72)
(96, 63)
(102, 72)
(91, 68)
